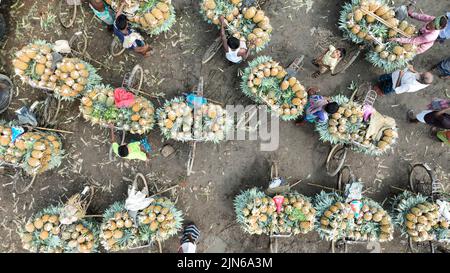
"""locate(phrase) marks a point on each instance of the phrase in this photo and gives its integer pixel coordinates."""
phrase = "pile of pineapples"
(337, 221)
(152, 16)
(419, 218)
(374, 223)
(45, 234)
(160, 220)
(251, 26)
(35, 152)
(33, 63)
(177, 120)
(257, 214)
(263, 81)
(348, 126)
(98, 107)
(118, 230)
(364, 28)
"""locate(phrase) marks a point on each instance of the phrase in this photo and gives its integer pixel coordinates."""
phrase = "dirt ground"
(223, 170)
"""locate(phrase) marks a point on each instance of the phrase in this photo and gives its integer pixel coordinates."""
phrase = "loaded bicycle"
(422, 179)
(364, 96)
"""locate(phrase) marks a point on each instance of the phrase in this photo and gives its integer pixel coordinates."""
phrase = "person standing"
(428, 34)
(403, 81)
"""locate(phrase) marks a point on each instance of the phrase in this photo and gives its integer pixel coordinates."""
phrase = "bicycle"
(217, 43)
(6, 89)
(284, 187)
(338, 153)
(423, 180)
(67, 12)
(132, 81)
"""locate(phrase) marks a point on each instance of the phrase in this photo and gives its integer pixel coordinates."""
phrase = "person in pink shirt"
(428, 34)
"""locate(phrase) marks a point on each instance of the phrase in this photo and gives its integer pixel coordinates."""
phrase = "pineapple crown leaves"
(268, 84)
(442, 235)
(53, 241)
(371, 228)
(402, 204)
(177, 216)
(322, 202)
(223, 7)
(386, 65)
(129, 238)
(118, 206)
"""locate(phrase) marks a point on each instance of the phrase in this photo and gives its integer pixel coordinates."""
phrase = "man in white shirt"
(403, 81)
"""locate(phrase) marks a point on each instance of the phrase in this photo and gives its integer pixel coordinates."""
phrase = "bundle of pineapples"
(98, 107)
(251, 25)
(72, 76)
(45, 234)
(257, 213)
(35, 152)
(365, 28)
(118, 230)
(177, 120)
(417, 217)
(348, 126)
(254, 211)
(152, 16)
(373, 223)
(263, 81)
(334, 217)
(81, 237)
(159, 221)
(297, 215)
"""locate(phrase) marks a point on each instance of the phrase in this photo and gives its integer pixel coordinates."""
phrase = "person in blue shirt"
(129, 38)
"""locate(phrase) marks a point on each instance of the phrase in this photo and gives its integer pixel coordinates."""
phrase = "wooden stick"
(53, 130)
(400, 189)
(384, 22)
(159, 246)
(320, 186)
(93, 215)
(163, 191)
(295, 183)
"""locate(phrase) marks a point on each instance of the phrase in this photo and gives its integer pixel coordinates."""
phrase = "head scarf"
(437, 22)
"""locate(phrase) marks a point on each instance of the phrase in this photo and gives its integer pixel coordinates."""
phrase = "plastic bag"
(123, 98)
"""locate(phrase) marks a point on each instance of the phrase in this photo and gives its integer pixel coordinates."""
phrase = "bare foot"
(316, 74)
(445, 77)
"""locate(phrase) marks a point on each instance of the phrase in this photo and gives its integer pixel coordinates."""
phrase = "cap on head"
(233, 43)
(440, 22)
(121, 22)
(123, 151)
(331, 107)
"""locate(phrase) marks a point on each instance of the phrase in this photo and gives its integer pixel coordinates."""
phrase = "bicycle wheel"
(336, 159)
(6, 94)
(339, 246)
(52, 106)
(348, 60)
(67, 12)
(212, 50)
(78, 44)
(21, 185)
(345, 177)
(420, 247)
(359, 92)
(421, 179)
(134, 82)
(116, 47)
